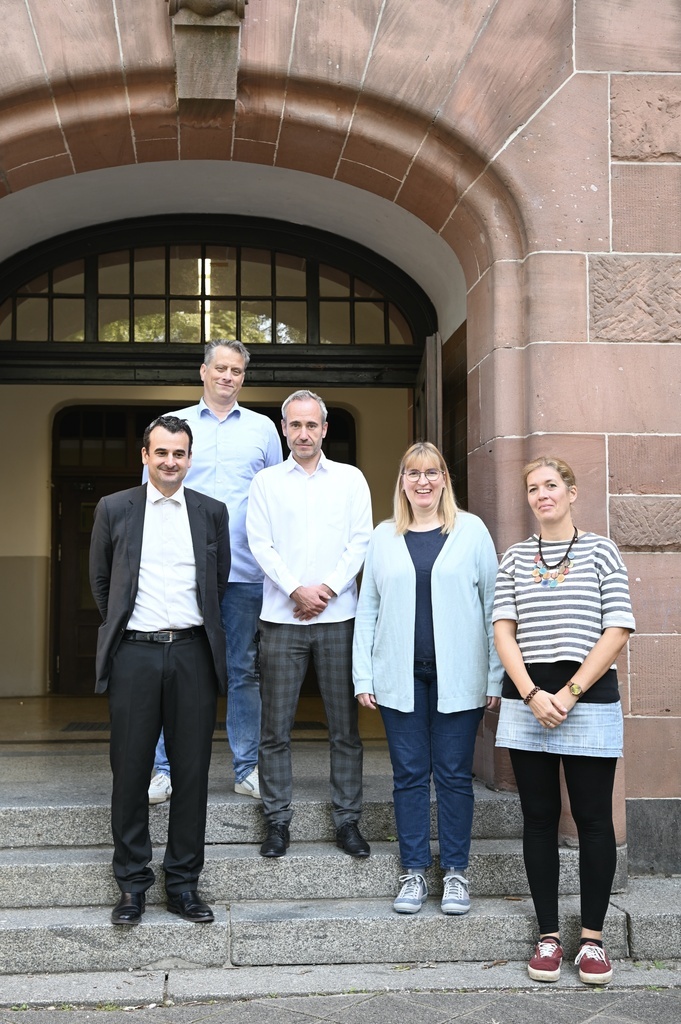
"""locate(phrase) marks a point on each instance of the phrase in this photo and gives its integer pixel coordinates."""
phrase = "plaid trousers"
(285, 651)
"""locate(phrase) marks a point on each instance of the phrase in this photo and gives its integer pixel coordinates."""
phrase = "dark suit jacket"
(115, 552)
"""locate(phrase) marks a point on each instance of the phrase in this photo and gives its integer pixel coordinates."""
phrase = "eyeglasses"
(414, 475)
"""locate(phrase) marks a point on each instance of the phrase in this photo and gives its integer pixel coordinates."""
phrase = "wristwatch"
(575, 690)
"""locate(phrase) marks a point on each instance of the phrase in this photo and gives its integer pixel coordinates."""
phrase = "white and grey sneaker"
(250, 786)
(412, 895)
(455, 898)
(159, 789)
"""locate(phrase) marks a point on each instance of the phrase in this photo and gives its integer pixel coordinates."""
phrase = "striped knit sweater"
(563, 621)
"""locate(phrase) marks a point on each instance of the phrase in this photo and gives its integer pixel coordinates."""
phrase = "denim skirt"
(590, 730)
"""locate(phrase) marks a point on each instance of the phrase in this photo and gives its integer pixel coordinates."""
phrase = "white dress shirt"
(305, 529)
(166, 590)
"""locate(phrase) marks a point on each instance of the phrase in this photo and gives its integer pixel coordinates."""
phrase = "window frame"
(176, 362)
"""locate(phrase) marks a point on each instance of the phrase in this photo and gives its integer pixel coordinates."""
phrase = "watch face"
(575, 689)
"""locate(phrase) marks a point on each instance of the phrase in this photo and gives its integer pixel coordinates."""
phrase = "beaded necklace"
(552, 575)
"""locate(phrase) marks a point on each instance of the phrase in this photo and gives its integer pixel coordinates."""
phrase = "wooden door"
(428, 394)
(77, 615)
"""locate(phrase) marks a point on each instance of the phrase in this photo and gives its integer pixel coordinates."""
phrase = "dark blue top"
(424, 549)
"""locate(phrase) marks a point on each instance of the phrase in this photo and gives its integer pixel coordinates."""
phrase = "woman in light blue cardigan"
(424, 655)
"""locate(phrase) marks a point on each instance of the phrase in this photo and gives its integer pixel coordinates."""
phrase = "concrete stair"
(314, 906)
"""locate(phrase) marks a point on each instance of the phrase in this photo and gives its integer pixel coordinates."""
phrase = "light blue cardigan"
(462, 588)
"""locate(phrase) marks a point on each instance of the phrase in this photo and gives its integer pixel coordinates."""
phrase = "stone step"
(260, 933)
(346, 931)
(70, 876)
(238, 819)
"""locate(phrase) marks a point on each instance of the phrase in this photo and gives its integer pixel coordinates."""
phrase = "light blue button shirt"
(226, 455)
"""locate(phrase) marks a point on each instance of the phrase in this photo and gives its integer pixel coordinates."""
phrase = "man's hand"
(310, 601)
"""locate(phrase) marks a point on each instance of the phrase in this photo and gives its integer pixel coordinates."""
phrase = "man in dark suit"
(159, 563)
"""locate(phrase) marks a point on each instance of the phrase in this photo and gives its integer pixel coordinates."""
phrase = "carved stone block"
(206, 40)
(646, 524)
(635, 298)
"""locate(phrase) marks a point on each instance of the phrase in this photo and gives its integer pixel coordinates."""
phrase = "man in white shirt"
(309, 523)
(159, 563)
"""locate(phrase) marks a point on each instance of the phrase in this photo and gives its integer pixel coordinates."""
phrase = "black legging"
(590, 782)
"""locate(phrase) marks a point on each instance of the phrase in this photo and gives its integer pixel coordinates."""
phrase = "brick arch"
(393, 152)
(431, 172)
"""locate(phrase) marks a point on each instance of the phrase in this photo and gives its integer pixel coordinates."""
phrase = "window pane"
(366, 291)
(32, 320)
(291, 323)
(220, 320)
(290, 275)
(398, 327)
(256, 323)
(69, 452)
(6, 320)
(334, 323)
(369, 324)
(150, 278)
(185, 320)
(256, 276)
(220, 270)
(86, 601)
(115, 425)
(69, 278)
(92, 451)
(333, 282)
(114, 273)
(92, 422)
(185, 270)
(114, 451)
(114, 320)
(150, 320)
(35, 287)
(68, 319)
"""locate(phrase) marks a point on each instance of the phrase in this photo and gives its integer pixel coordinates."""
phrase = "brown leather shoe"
(129, 908)
(190, 907)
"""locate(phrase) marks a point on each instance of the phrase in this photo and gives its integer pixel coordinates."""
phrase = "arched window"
(162, 286)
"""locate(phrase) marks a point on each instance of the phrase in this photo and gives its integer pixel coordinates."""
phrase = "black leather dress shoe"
(350, 839)
(129, 908)
(277, 840)
(190, 907)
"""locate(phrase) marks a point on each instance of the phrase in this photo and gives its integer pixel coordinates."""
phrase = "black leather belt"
(165, 636)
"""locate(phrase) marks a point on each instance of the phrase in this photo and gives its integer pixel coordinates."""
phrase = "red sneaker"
(594, 965)
(548, 956)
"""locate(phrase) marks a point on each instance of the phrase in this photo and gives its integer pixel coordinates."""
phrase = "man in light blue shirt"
(231, 445)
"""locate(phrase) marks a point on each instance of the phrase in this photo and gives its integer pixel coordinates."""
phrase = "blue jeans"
(421, 742)
(241, 605)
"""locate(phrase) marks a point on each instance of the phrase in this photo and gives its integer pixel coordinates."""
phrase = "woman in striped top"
(562, 615)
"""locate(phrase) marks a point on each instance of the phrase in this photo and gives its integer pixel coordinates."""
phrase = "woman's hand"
(549, 709)
(367, 700)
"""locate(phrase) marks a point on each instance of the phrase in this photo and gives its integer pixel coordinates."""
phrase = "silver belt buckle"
(164, 636)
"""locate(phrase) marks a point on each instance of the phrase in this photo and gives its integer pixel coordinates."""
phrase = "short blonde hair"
(414, 458)
(553, 462)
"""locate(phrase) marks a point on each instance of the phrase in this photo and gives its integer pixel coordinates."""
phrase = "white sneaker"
(455, 898)
(250, 786)
(412, 895)
(159, 789)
